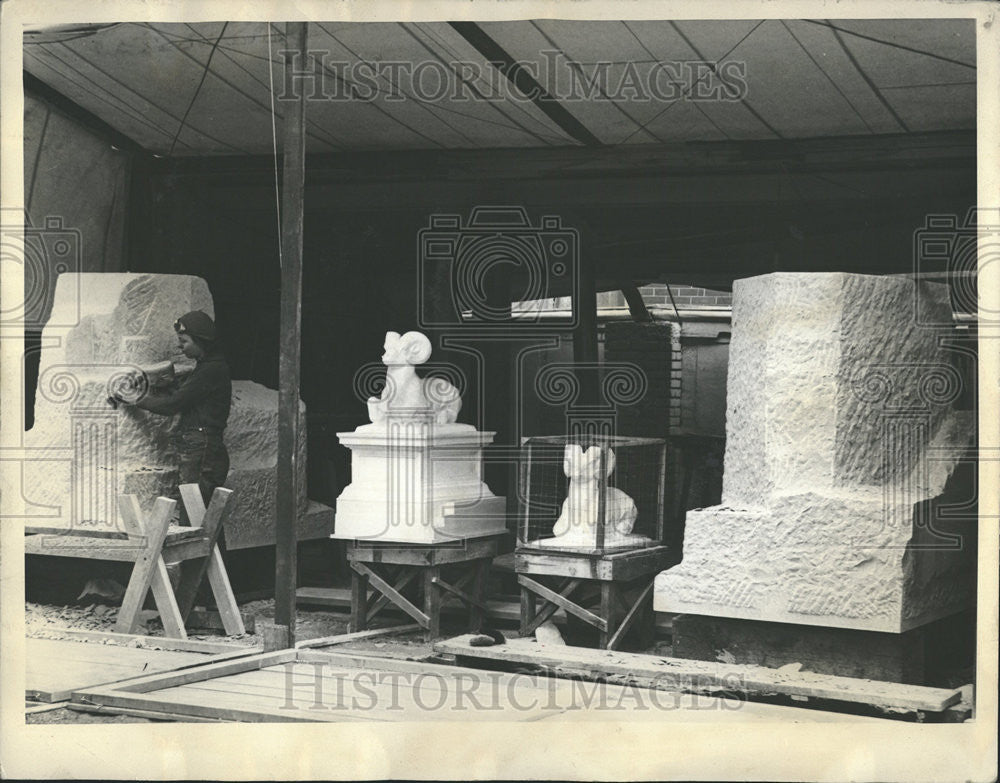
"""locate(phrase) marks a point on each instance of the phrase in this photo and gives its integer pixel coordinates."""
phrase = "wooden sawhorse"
(401, 564)
(150, 543)
(620, 583)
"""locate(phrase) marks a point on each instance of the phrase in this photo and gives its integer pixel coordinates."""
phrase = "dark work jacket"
(202, 398)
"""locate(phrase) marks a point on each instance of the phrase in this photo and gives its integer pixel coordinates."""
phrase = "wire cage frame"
(590, 494)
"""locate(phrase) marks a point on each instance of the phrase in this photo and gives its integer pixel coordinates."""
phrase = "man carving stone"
(203, 398)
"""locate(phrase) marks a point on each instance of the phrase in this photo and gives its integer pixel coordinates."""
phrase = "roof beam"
(73, 110)
(522, 79)
(903, 152)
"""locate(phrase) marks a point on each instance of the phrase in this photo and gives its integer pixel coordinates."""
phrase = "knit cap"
(197, 324)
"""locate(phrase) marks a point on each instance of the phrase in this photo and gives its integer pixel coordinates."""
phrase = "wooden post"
(585, 333)
(293, 179)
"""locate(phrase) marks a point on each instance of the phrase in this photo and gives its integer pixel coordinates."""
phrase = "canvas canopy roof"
(206, 89)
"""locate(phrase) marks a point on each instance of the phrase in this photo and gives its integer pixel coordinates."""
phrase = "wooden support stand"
(150, 543)
(393, 570)
(612, 592)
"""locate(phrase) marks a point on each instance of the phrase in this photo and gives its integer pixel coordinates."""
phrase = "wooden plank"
(166, 602)
(176, 534)
(552, 689)
(215, 568)
(528, 613)
(432, 601)
(617, 566)
(426, 554)
(381, 694)
(117, 550)
(397, 598)
(379, 603)
(396, 690)
(626, 566)
(263, 694)
(459, 593)
(55, 668)
(242, 661)
(339, 597)
(345, 638)
(36, 708)
(218, 578)
(135, 712)
(575, 566)
(630, 618)
(479, 611)
(42, 652)
(194, 570)
(532, 622)
(705, 676)
(359, 601)
(157, 579)
(567, 605)
(138, 641)
(186, 550)
(152, 532)
(609, 610)
(177, 704)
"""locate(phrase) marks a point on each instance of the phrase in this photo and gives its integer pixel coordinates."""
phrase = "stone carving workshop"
(449, 363)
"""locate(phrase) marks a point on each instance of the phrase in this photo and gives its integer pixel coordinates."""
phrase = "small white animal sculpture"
(579, 510)
(405, 392)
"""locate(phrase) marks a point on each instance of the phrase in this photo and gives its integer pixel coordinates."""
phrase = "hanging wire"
(274, 143)
(204, 75)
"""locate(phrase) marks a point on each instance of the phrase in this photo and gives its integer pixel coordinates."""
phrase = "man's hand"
(127, 388)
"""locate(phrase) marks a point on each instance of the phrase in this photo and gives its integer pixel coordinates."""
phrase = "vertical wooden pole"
(293, 179)
(585, 334)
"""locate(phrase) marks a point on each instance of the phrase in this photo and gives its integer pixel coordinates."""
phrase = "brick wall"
(656, 294)
(655, 348)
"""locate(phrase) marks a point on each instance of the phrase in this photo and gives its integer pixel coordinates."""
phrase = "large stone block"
(841, 442)
(82, 453)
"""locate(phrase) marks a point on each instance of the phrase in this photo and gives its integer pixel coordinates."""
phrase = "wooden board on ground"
(151, 642)
(55, 668)
(318, 686)
(677, 674)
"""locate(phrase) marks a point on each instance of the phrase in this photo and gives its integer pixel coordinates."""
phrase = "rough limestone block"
(124, 320)
(82, 453)
(841, 437)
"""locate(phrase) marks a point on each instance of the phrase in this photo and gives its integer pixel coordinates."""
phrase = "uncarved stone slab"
(841, 440)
